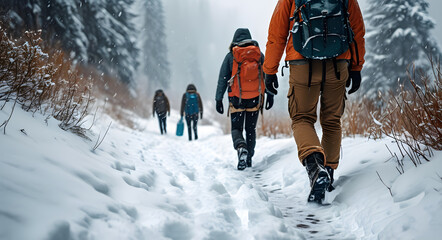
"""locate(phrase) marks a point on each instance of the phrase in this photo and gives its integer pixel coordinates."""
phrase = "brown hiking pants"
(303, 101)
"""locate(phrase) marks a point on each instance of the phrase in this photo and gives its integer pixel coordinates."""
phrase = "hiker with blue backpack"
(325, 47)
(192, 107)
(241, 73)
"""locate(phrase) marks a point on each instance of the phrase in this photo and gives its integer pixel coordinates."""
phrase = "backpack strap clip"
(286, 65)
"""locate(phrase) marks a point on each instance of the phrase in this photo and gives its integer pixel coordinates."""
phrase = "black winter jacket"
(160, 103)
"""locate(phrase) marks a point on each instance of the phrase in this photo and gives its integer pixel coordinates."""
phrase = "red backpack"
(247, 79)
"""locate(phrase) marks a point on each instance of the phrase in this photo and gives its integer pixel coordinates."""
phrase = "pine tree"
(193, 70)
(156, 65)
(398, 35)
(98, 32)
(111, 47)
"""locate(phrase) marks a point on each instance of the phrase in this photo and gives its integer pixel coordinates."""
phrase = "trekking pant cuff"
(333, 165)
(303, 155)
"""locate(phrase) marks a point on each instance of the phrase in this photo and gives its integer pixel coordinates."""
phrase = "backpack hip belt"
(232, 109)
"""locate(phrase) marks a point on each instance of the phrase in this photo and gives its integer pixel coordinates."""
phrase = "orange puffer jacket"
(280, 27)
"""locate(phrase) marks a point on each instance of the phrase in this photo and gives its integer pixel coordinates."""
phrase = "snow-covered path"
(234, 205)
(142, 185)
(308, 220)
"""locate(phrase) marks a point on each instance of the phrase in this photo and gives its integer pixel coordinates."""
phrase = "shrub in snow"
(41, 82)
(411, 117)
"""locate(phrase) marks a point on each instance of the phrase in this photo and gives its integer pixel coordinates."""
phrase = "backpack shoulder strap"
(187, 98)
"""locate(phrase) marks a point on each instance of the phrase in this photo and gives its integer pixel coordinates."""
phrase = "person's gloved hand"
(269, 101)
(201, 115)
(355, 80)
(219, 107)
(271, 82)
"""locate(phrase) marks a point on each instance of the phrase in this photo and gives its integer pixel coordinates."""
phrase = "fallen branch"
(98, 143)
(389, 188)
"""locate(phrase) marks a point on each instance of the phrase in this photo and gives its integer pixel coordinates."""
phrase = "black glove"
(355, 80)
(269, 101)
(201, 115)
(271, 82)
(219, 106)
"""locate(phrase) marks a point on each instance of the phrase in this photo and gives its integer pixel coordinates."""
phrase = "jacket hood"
(241, 34)
(158, 92)
(191, 87)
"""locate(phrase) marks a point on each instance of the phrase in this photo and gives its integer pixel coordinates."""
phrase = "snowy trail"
(142, 185)
(310, 220)
(205, 168)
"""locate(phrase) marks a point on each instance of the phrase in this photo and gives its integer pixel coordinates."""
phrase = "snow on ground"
(142, 185)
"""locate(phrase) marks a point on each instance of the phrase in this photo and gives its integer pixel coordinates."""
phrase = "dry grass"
(120, 103)
(224, 121)
(358, 118)
(412, 118)
(41, 79)
(274, 126)
(41, 82)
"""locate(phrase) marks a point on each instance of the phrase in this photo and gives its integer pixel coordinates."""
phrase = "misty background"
(168, 44)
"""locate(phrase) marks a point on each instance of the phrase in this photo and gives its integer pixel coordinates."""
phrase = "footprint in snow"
(136, 184)
(148, 178)
(177, 231)
(174, 183)
(95, 182)
(61, 230)
(123, 167)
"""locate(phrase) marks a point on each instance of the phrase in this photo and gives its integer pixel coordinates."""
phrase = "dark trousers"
(244, 120)
(162, 121)
(189, 120)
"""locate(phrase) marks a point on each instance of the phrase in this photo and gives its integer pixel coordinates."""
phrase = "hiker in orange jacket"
(241, 75)
(314, 76)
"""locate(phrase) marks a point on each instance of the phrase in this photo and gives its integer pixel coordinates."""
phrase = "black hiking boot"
(318, 175)
(242, 157)
(330, 173)
(249, 162)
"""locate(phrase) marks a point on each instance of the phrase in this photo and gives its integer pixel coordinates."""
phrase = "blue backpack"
(321, 29)
(191, 104)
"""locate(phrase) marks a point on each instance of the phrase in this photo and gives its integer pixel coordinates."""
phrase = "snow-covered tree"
(398, 35)
(98, 32)
(154, 48)
(193, 70)
(111, 40)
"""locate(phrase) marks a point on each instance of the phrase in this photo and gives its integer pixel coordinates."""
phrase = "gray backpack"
(321, 29)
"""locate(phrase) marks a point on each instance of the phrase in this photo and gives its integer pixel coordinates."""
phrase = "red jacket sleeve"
(358, 27)
(278, 34)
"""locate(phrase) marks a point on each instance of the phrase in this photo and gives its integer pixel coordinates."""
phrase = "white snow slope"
(142, 185)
